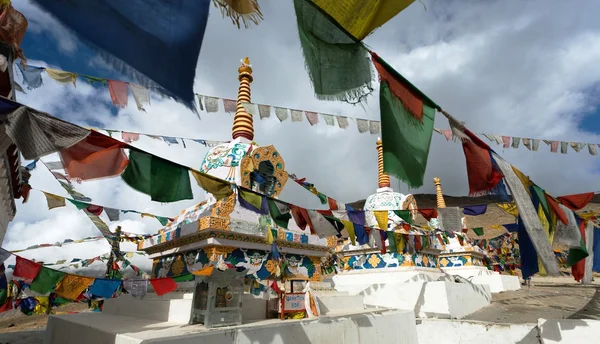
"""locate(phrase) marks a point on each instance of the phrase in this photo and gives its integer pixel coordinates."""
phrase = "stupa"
(401, 269)
(223, 229)
(468, 260)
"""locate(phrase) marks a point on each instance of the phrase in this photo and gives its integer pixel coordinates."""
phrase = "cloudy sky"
(506, 67)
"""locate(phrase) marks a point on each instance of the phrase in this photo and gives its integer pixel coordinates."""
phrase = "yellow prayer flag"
(587, 216)
(269, 235)
(399, 242)
(43, 305)
(71, 286)
(382, 219)
(54, 201)
(524, 179)
(509, 208)
(62, 76)
(361, 17)
(219, 189)
(350, 228)
(204, 272)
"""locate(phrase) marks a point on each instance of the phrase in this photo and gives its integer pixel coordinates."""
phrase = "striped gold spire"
(382, 177)
(242, 122)
(438, 193)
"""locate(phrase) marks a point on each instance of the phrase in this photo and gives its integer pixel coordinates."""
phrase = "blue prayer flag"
(104, 288)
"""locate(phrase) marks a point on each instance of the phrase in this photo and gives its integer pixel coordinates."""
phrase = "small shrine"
(224, 232)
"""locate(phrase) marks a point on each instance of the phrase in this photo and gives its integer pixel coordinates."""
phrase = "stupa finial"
(382, 178)
(242, 121)
(438, 193)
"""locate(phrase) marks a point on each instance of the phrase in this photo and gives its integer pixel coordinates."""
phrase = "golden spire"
(242, 121)
(438, 193)
(382, 177)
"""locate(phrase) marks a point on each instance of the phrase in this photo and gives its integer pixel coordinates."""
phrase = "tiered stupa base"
(164, 319)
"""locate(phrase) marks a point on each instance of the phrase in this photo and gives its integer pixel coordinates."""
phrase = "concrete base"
(566, 331)
(440, 299)
(367, 327)
(472, 332)
(498, 283)
(356, 281)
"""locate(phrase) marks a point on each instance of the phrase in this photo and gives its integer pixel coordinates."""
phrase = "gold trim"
(258, 155)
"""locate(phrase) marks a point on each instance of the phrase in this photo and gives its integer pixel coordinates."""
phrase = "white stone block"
(569, 331)
(430, 330)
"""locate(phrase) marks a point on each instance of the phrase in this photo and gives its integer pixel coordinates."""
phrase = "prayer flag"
(218, 188)
(474, 210)
(337, 63)
(32, 76)
(382, 219)
(162, 180)
(280, 213)
(46, 280)
(97, 156)
(71, 286)
(478, 231)
(104, 288)
(26, 269)
(118, 93)
(577, 201)
(407, 118)
(138, 37)
(4, 255)
(163, 286)
(62, 76)
(54, 201)
(361, 17)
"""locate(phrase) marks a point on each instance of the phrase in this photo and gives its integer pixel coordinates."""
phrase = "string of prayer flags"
(96, 156)
(407, 117)
(577, 201)
(32, 76)
(253, 201)
(531, 143)
(161, 179)
(359, 17)
(337, 62)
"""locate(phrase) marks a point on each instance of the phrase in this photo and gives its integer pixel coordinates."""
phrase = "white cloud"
(505, 67)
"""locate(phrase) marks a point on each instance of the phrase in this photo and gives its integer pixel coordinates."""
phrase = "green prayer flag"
(539, 194)
(80, 205)
(404, 215)
(392, 242)
(280, 213)
(577, 253)
(162, 180)
(478, 230)
(184, 278)
(337, 63)
(406, 141)
(46, 280)
(253, 198)
(163, 220)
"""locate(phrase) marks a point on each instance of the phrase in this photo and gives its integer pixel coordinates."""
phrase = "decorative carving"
(213, 252)
(258, 155)
(332, 242)
(224, 207)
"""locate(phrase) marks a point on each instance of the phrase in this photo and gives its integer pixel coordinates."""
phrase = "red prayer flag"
(382, 235)
(163, 286)
(26, 269)
(576, 202)
(405, 93)
(95, 209)
(482, 175)
(578, 269)
(332, 203)
(96, 156)
(428, 214)
(556, 209)
(118, 93)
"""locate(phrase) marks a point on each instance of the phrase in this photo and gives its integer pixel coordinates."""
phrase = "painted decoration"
(390, 260)
(258, 264)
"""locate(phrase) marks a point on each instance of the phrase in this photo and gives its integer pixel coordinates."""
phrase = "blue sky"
(505, 67)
